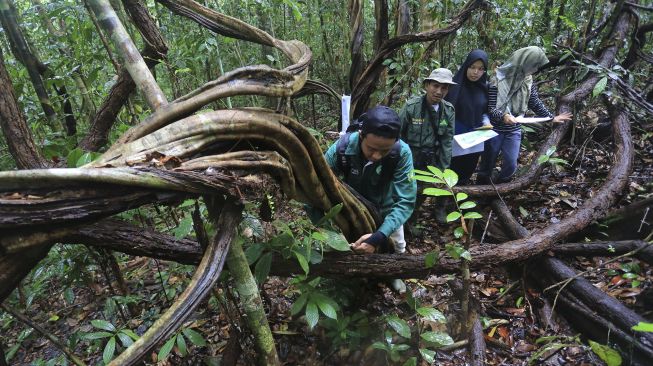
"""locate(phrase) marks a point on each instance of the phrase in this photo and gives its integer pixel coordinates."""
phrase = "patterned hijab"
(514, 79)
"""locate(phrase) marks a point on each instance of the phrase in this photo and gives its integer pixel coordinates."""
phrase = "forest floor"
(511, 308)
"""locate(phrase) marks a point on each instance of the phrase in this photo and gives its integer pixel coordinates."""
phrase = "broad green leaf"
(550, 150)
(253, 252)
(103, 324)
(427, 355)
(84, 159)
(437, 338)
(399, 325)
(270, 57)
(319, 236)
(181, 345)
(523, 212)
(73, 157)
(109, 350)
(298, 305)
(97, 335)
(600, 86)
(453, 216)
(379, 345)
(458, 232)
(194, 337)
(262, 268)
(460, 196)
(184, 228)
(472, 215)
(165, 350)
(331, 214)
(326, 305)
(421, 172)
(629, 276)
(558, 161)
(429, 179)
(466, 254)
(411, 362)
(337, 241)
(130, 333)
(302, 261)
(432, 314)
(643, 327)
(125, 339)
(607, 354)
(283, 240)
(436, 192)
(430, 259)
(467, 205)
(312, 316)
(437, 172)
(450, 177)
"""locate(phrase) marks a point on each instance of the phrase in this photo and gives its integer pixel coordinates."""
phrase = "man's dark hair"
(381, 121)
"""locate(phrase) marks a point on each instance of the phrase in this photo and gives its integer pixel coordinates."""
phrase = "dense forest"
(157, 157)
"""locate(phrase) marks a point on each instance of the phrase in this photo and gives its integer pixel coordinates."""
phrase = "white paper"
(471, 142)
(522, 119)
(345, 104)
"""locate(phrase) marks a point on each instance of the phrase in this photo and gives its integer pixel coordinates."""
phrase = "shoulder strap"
(343, 161)
(390, 162)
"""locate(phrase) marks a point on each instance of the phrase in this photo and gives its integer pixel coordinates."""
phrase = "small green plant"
(112, 334)
(313, 300)
(643, 327)
(548, 158)
(399, 333)
(448, 179)
(179, 338)
(630, 272)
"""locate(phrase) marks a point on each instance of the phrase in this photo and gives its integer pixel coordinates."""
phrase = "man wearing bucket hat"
(428, 128)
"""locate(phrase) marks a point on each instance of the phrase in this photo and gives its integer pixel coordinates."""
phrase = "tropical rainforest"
(157, 156)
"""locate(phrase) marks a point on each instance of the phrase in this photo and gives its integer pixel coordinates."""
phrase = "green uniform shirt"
(417, 121)
(396, 198)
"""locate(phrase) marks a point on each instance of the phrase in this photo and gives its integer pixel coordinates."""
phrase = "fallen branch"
(55, 341)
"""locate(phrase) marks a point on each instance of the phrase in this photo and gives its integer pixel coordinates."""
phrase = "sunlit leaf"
(437, 338)
(467, 205)
(432, 314)
(312, 316)
(472, 215)
(458, 232)
(450, 177)
(399, 325)
(643, 327)
(453, 216)
(427, 355)
(103, 324)
(607, 354)
(460, 196)
(600, 86)
(436, 192)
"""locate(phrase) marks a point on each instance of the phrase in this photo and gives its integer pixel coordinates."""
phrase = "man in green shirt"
(361, 159)
(428, 128)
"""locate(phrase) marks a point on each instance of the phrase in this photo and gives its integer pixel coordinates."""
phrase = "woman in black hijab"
(470, 99)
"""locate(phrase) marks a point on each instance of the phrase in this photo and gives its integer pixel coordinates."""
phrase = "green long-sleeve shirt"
(417, 120)
(396, 198)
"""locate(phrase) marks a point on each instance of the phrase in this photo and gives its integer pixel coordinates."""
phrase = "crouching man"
(377, 165)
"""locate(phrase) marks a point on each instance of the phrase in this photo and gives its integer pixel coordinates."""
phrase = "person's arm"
(404, 191)
(535, 104)
(495, 114)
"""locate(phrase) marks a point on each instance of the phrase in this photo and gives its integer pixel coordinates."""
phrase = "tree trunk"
(24, 55)
(14, 126)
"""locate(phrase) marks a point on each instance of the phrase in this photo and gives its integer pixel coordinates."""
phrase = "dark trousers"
(464, 166)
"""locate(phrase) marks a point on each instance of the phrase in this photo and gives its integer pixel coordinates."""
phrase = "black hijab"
(469, 97)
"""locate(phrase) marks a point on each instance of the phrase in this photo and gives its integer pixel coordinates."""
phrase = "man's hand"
(361, 247)
(562, 117)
